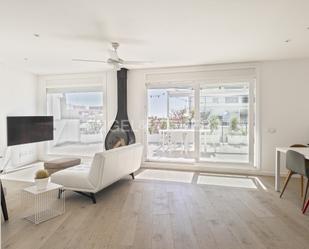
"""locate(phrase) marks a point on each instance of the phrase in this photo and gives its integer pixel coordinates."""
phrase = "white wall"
(18, 96)
(284, 104)
(111, 98)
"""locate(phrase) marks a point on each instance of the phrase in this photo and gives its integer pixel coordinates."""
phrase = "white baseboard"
(210, 169)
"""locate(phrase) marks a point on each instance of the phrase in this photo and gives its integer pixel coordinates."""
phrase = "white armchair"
(106, 168)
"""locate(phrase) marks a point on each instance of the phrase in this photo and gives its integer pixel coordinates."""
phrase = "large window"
(224, 124)
(171, 123)
(78, 120)
(223, 130)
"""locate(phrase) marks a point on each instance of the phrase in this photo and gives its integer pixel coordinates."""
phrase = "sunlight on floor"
(227, 181)
(166, 175)
(224, 180)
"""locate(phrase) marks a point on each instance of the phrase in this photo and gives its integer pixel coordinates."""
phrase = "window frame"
(71, 81)
(254, 149)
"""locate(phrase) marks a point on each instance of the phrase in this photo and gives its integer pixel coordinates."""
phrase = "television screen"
(29, 129)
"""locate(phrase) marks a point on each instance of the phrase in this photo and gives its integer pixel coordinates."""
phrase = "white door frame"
(196, 84)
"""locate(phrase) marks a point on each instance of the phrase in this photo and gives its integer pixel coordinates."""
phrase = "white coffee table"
(42, 205)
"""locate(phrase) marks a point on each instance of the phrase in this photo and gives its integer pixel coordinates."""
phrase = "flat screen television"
(29, 129)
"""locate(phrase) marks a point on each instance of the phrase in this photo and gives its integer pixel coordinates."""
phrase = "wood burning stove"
(121, 132)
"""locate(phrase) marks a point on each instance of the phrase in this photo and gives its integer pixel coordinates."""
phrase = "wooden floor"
(160, 214)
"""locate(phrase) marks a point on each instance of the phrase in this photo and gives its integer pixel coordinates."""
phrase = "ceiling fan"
(115, 60)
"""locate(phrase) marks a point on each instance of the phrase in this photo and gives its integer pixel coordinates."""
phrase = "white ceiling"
(168, 32)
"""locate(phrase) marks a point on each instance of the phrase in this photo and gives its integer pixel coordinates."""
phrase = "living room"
(154, 124)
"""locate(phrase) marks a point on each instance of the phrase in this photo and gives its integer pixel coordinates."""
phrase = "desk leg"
(277, 172)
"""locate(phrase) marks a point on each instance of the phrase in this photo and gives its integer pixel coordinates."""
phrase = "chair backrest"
(297, 163)
(109, 166)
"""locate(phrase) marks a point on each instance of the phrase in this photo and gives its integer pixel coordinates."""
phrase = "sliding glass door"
(224, 122)
(213, 122)
(170, 122)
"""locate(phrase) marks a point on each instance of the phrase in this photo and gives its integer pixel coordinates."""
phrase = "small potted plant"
(41, 179)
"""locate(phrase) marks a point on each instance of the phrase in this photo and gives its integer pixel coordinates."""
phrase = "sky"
(85, 98)
(157, 100)
(157, 103)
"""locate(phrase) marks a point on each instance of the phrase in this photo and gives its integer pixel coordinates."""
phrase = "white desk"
(283, 150)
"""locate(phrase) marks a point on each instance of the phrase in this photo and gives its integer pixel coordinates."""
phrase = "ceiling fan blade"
(136, 62)
(85, 60)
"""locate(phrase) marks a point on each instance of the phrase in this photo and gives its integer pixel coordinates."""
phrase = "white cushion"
(106, 168)
(74, 178)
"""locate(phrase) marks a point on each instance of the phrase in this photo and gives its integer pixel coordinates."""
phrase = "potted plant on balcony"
(237, 136)
(41, 179)
(212, 137)
(214, 122)
(234, 125)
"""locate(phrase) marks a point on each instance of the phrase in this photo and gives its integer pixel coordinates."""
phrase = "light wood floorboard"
(144, 214)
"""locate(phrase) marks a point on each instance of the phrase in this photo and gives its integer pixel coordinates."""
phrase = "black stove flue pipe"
(121, 128)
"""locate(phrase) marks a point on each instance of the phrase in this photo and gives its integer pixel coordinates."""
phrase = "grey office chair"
(296, 163)
(301, 177)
